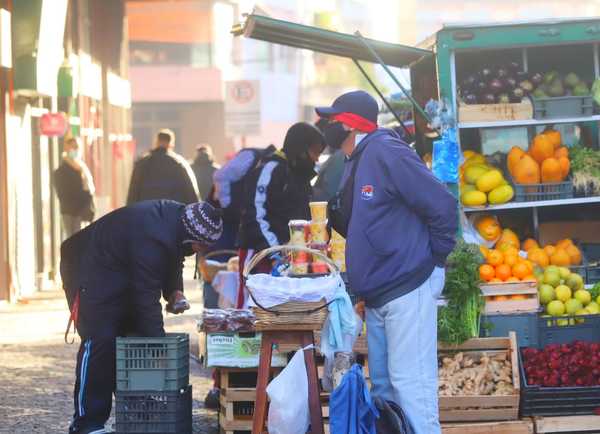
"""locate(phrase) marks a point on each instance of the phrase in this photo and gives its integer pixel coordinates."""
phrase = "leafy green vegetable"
(595, 291)
(585, 167)
(459, 319)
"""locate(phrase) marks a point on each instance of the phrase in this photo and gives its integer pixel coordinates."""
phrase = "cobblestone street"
(37, 368)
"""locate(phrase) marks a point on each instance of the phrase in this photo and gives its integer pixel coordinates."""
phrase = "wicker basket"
(209, 269)
(293, 315)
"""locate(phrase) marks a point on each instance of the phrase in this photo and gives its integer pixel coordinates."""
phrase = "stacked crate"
(153, 392)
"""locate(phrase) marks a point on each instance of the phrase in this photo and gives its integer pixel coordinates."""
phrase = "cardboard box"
(237, 350)
(585, 231)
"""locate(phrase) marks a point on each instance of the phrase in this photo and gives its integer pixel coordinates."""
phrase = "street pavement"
(37, 369)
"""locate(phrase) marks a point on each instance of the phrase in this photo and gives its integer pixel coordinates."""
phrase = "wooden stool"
(297, 337)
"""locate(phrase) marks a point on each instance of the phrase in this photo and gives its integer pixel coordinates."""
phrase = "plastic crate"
(154, 412)
(564, 330)
(525, 325)
(153, 363)
(556, 401)
(535, 192)
(563, 107)
(591, 251)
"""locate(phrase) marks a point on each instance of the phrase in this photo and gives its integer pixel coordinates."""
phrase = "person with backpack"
(400, 224)
(276, 191)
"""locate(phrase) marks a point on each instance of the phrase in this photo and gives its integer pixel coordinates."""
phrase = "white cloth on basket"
(270, 291)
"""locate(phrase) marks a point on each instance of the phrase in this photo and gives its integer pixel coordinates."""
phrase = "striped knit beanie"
(202, 222)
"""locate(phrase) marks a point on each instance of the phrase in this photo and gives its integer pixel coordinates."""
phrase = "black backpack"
(392, 419)
(233, 212)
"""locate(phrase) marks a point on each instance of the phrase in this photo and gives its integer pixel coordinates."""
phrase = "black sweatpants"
(99, 325)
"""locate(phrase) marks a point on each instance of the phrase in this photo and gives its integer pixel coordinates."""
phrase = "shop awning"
(325, 41)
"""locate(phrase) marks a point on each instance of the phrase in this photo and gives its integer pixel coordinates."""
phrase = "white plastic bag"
(288, 393)
(270, 291)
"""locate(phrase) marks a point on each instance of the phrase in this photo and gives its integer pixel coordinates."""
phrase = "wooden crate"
(524, 426)
(567, 424)
(481, 408)
(527, 289)
(495, 112)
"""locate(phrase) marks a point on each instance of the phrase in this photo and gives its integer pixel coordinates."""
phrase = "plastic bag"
(446, 157)
(270, 291)
(288, 393)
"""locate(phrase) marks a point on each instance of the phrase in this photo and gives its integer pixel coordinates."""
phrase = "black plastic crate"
(591, 251)
(167, 412)
(153, 363)
(566, 329)
(555, 401)
(525, 325)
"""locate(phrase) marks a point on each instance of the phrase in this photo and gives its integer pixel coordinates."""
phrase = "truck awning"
(325, 41)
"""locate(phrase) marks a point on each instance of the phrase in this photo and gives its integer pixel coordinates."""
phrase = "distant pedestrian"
(163, 174)
(204, 166)
(75, 188)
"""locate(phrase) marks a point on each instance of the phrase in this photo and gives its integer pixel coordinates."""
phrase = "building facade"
(70, 57)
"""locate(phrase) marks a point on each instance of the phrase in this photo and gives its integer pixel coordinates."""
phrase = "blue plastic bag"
(446, 157)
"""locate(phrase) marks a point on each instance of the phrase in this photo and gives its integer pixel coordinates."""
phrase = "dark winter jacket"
(330, 176)
(203, 168)
(403, 222)
(72, 196)
(162, 174)
(130, 256)
(274, 194)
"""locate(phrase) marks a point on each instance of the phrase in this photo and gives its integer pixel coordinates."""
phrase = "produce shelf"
(527, 122)
(536, 204)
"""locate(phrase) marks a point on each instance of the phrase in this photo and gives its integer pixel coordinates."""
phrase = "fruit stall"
(519, 327)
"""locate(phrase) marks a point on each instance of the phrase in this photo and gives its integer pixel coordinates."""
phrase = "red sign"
(53, 124)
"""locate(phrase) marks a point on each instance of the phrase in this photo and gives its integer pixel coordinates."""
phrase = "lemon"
(583, 296)
(593, 307)
(563, 293)
(555, 308)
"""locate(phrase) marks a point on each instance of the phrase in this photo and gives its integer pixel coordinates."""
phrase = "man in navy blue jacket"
(114, 272)
(402, 228)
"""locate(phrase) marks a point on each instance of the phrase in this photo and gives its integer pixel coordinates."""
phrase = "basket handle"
(256, 259)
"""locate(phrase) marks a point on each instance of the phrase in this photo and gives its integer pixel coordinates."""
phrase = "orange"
(529, 278)
(487, 272)
(521, 271)
(518, 297)
(509, 249)
(512, 279)
(495, 257)
(574, 254)
(500, 298)
(563, 151)
(488, 227)
(563, 244)
(508, 237)
(484, 250)
(560, 258)
(496, 280)
(514, 156)
(553, 137)
(529, 244)
(511, 260)
(550, 250)
(539, 257)
(529, 266)
(565, 167)
(541, 148)
(503, 272)
(527, 171)
(551, 171)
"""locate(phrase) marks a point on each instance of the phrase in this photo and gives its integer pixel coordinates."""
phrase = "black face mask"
(335, 134)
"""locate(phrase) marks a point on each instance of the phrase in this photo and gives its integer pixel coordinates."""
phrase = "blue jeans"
(402, 338)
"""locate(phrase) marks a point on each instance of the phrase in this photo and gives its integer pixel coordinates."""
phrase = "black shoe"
(212, 399)
(92, 431)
